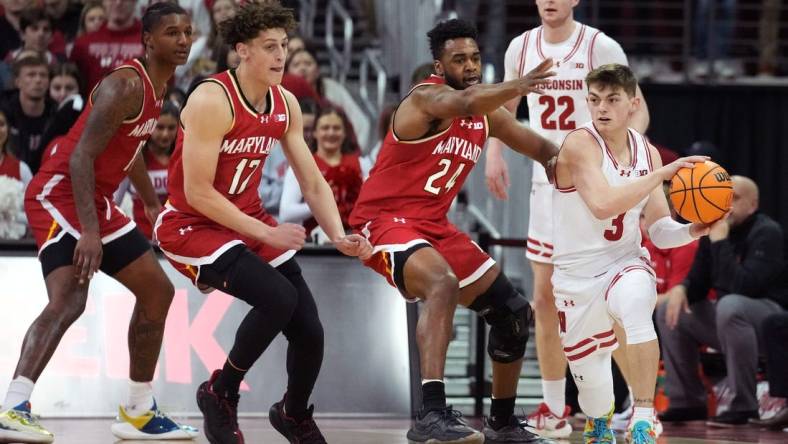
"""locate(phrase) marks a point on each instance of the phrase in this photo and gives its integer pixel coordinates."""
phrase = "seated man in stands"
(741, 260)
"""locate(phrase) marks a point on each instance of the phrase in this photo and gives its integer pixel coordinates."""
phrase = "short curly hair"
(448, 30)
(254, 17)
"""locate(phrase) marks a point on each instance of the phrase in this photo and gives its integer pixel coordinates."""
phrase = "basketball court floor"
(389, 431)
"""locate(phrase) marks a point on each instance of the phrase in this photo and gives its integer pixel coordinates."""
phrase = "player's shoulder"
(578, 141)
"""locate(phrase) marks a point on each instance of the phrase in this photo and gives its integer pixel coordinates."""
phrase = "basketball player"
(577, 49)
(79, 231)
(436, 138)
(215, 231)
(607, 174)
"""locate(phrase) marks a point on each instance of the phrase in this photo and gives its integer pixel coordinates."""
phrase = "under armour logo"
(557, 63)
(569, 303)
(577, 377)
(470, 124)
(624, 173)
(184, 230)
(400, 220)
(264, 118)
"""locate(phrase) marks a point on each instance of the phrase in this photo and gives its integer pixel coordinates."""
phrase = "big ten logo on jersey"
(470, 124)
(629, 173)
(144, 128)
(265, 118)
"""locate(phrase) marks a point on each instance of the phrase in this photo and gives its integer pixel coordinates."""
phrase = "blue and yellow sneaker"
(599, 430)
(19, 425)
(153, 424)
(642, 432)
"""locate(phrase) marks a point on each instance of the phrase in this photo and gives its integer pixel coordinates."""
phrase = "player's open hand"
(670, 170)
(677, 303)
(354, 245)
(87, 257)
(286, 237)
(536, 78)
(496, 175)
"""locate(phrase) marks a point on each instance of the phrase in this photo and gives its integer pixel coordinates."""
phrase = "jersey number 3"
(446, 164)
(617, 231)
(563, 122)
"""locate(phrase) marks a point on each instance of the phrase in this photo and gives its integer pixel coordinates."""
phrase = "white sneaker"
(621, 420)
(19, 425)
(546, 424)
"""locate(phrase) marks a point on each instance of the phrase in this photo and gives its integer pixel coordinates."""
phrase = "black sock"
(229, 380)
(501, 410)
(433, 395)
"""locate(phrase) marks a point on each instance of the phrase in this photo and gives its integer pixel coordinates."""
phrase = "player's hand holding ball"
(703, 195)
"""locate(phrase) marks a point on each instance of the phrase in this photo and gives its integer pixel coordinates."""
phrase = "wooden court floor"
(388, 431)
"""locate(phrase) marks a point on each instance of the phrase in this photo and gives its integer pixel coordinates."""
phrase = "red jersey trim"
(423, 139)
(577, 43)
(648, 153)
(523, 52)
(139, 67)
(632, 148)
(591, 50)
(572, 52)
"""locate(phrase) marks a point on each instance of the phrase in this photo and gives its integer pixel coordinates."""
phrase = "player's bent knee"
(509, 315)
(445, 287)
(632, 302)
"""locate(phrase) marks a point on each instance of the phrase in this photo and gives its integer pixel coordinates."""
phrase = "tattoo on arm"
(118, 98)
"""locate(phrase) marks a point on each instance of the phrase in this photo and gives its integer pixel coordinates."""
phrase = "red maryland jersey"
(345, 181)
(419, 179)
(112, 164)
(244, 148)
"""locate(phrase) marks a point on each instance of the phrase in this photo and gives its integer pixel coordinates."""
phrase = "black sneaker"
(220, 414)
(732, 419)
(683, 414)
(443, 426)
(304, 432)
(513, 432)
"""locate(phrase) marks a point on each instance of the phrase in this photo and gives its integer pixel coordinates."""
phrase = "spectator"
(338, 161)
(36, 34)
(156, 155)
(775, 335)
(303, 63)
(768, 37)
(384, 125)
(275, 166)
(10, 166)
(63, 82)
(741, 260)
(717, 48)
(65, 16)
(10, 31)
(119, 39)
(92, 18)
(295, 43)
(207, 47)
(29, 109)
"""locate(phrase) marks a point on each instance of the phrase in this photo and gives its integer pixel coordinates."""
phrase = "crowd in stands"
(726, 292)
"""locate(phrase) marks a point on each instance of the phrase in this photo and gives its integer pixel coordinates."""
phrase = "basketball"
(702, 194)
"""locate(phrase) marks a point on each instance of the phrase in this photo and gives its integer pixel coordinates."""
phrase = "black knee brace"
(509, 316)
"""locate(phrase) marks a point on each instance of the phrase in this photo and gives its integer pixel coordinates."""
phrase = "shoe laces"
(600, 428)
(451, 416)
(27, 418)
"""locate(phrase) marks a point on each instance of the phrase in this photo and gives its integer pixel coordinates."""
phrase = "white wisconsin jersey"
(563, 106)
(587, 246)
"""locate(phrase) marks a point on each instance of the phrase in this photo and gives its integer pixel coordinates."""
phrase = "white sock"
(553, 393)
(424, 381)
(140, 398)
(19, 391)
(643, 413)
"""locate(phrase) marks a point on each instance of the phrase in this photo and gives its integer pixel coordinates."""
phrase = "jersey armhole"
(428, 135)
(287, 107)
(142, 107)
(226, 94)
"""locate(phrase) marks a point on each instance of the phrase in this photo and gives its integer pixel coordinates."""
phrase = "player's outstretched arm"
(581, 164)
(522, 139)
(118, 97)
(663, 230)
(444, 102)
(206, 118)
(317, 193)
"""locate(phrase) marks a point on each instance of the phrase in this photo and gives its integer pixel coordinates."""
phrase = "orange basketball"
(702, 194)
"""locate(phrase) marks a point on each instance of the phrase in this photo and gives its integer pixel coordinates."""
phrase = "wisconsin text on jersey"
(253, 144)
(566, 85)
